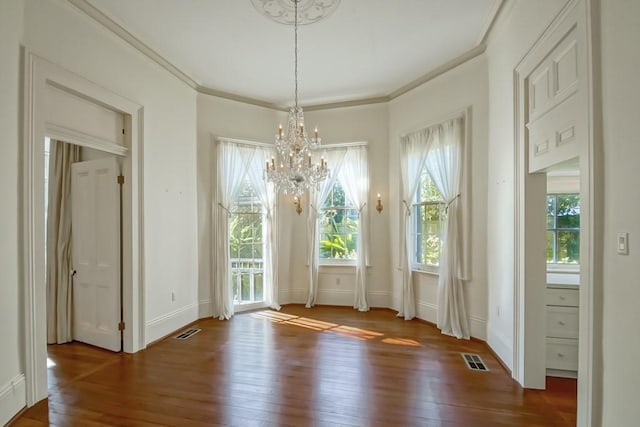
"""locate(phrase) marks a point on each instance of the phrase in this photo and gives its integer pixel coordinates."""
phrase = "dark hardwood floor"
(326, 366)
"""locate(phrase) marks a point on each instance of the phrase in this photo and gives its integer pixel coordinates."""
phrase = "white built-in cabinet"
(562, 306)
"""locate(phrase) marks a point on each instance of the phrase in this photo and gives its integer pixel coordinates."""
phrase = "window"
(338, 226)
(429, 216)
(246, 248)
(563, 228)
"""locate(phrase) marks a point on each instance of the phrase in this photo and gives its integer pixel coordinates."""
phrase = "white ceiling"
(365, 49)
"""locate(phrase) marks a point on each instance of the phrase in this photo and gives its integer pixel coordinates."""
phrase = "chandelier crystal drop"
(294, 168)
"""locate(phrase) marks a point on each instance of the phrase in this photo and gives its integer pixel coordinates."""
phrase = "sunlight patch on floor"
(402, 341)
(50, 363)
(358, 333)
(319, 325)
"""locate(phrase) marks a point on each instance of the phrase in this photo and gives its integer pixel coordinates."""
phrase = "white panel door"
(95, 230)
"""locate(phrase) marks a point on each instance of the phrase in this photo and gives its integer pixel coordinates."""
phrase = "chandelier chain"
(298, 168)
(295, 54)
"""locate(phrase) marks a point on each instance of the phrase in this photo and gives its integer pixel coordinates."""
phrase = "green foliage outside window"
(563, 228)
(430, 220)
(338, 226)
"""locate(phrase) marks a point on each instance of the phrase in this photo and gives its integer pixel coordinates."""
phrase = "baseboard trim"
(165, 324)
(13, 399)
(205, 308)
(562, 373)
(427, 311)
(500, 348)
(500, 361)
(478, 327)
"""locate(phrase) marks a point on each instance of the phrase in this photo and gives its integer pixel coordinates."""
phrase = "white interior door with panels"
(96, 253)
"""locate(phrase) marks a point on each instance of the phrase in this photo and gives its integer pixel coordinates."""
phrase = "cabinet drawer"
(562, 322)
(562, 354)
(563, 297)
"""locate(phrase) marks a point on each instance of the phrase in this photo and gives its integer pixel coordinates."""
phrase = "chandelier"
(293, 169)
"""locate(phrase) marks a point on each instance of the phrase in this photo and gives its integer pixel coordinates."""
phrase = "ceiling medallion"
(309, 11)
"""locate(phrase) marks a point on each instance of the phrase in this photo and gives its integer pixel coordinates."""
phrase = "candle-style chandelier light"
(294, 169)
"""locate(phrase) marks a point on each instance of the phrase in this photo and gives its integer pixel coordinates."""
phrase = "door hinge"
(121, 326)
(121, 179)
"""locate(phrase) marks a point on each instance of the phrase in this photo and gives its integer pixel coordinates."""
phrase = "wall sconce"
(379, 206)
(296, 202)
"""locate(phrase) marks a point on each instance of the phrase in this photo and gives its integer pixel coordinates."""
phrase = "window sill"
(434, 271)
(338, 264)
(563, 268)
(240, 307)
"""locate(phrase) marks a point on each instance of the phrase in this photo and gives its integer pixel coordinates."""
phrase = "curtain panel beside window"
(237, 163)
(349, 166)
(439, 149)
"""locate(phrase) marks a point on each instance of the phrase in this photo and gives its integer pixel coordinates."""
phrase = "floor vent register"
(474, 362)
(187, 334)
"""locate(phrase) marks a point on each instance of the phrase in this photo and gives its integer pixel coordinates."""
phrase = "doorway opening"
(563, 276)
(83, 246)
(555, 127)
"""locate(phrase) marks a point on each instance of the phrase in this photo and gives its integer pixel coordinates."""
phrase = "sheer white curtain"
(335, 159)
(354, 178)
(59, 275)
(267, 196)
(415, 147)
(444, 163)
(234, 161)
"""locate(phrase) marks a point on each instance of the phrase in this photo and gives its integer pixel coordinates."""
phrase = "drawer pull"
(560, 355)
(562, 298)
(560, 322)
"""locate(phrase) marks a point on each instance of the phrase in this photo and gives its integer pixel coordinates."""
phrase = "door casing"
(529, 296)
(38, 75)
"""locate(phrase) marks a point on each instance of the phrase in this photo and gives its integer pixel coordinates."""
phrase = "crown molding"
(438, 71)
(351, 103)
(118, 30)
(239, 98)
(491, 20)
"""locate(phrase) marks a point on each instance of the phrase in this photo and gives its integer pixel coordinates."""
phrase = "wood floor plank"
(298, 367)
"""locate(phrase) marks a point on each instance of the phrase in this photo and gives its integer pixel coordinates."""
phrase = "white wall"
(336, 284)
(620, 94)
(563, 184)
(465, 86)
(12, 395)
(218, 117)
(518, 26)
(67, 37)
